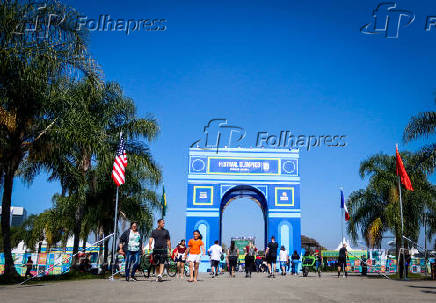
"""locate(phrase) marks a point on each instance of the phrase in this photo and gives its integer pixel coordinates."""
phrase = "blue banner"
(243, 166)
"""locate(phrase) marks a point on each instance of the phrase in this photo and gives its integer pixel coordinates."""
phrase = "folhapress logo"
(218, 133)
(388, 19)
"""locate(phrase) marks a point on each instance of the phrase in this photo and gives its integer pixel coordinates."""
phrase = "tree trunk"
(105, 252)
(8, 182)
(84, 243)
(397, 249)
(77, 228)
(85, 165)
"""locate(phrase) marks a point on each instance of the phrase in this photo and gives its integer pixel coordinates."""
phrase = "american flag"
(120, 163)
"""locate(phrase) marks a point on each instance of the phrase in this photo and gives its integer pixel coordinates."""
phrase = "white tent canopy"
(347, 243)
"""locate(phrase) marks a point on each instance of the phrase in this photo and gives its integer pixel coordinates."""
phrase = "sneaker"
(134, 279)
(159, 278)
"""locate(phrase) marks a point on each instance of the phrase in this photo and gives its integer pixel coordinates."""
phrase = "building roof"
(15, 210)
(310, 242)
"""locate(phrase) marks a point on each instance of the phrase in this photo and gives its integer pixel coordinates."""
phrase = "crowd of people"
(131, 247)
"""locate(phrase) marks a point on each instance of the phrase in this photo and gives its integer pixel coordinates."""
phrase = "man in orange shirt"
(194, 251)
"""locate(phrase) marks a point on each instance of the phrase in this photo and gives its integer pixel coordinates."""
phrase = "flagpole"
(402, 225)
(402, 229)
(114, 240)
(342, 216)
(342, 225)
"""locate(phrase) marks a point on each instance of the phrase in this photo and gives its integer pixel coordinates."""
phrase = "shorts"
(215, 263)
(283, 263)
(233, 261)
(194, 258)
(271, 259)
(341, 263)
(180, 258)
(160, 256)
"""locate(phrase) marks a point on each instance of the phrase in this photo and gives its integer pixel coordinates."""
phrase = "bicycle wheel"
(171, 268)
(187, 274)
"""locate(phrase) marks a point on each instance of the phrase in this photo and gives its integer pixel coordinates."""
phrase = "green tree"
(31, 66)
(79, 151)
(375, 210)
(423, 125)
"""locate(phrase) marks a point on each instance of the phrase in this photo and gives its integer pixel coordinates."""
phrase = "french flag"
(344, 206)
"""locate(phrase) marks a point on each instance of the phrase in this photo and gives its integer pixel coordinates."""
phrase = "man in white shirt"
(215, 252)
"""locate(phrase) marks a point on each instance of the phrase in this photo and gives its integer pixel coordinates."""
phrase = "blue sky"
(269, 66)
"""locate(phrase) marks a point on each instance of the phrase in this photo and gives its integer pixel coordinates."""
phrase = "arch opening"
(244, 192)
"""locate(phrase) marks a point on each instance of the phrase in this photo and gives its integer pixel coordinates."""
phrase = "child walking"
(194, 252)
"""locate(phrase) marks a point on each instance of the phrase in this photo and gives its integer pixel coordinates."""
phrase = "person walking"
(295, 258)
(29, 265)
(180, 258)
(194, 251)
(283, 258)
(318, 262)
(404, 267)
(232, 255)
(342, 260)
(271, 256)
(408, 260)
(288, 265)
(130, 247)
(223, 262)
(250, 254)
(162, 243)
(215, 252)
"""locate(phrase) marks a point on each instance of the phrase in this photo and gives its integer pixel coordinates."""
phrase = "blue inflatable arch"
(270, 177)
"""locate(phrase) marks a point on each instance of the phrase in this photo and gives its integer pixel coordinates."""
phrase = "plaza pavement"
(225, 289)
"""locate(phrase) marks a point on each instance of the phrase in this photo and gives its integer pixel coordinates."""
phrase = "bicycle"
(148, 263)
(186, 270)
(308, 262)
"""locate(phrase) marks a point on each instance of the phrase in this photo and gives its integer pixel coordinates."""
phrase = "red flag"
(401, 171)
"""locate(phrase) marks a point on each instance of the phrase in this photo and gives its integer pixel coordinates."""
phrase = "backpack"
(173, 254)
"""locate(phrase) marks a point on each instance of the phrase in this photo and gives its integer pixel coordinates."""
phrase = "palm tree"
(79, 152)
(374, 210)
(423, 125)
(31, 66)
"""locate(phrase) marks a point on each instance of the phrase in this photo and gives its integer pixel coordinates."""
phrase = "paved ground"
(225, 289)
